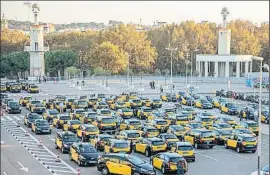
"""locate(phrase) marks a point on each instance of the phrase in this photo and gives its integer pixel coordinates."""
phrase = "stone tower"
(36, 46)
(224, 37)
(4, 22)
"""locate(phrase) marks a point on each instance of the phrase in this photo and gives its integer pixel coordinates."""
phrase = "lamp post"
(186, 63)
(128, 72)
(260, 111)
(171, 50)
(191, 58)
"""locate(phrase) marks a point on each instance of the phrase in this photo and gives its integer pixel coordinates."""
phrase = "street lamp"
(260, 109)
(171, 50)
(186, 63)
(191, 58)
(128, 72)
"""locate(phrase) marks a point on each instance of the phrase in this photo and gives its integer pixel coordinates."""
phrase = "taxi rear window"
(249, 139)
(158, 142)
(121, 145)
(162, 122)
(185, 148)
(133, 135)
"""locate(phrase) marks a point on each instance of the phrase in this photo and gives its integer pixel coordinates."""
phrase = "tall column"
(216, 69)
(250, 67)
(206, 68)
(227, 70)
(246, 68)
(237, 69)
(199, 68)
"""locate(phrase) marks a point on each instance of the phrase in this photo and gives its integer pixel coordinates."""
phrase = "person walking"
(153, 85)
(173, 87)
(61, 105)
(161, 89)
(241, 115)
(247, 114)
(180, 168)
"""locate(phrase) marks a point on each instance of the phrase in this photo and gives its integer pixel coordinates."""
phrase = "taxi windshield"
(34, 87)
(70, 138)
(171, 136)
(135, 123)
(228, 119)
(53, 112)
(91, 114)
(108, 120)
(245, 131)
(105, 138)
(225, 132)
(121, 145)
(249, 139)
(135, 160)
(34, 117)
(178, 128)
(93, 100)
(162, 122)
(197, 125)
(66, 117)
(231, 105)
(158, 142)
(87, 149)
(147, 110)
(176, 159)
(170, 110)
(71, 100)
(133, 135)
(35, 102)
(105, 112)
(185, 148)
(133, 93)
(27, 98)
(136, 101)
(121, 103)
(156, 100)
(181, 118)
(101, 95)
(152, 130)
(79, 111)
(209, 134)
(126, 110)
(75, 122)
(91, 129)
(253, 124)
(42, 123)
(225, 125)
(207, 114)
(82, 103)
(206, 119)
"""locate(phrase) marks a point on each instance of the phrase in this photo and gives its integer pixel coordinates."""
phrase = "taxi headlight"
(66, 146)
(81, 157)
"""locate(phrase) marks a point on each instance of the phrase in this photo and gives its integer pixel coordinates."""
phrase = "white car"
(264, 171)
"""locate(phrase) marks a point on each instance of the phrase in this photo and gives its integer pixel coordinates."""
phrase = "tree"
(72, 70)
(17, 62)
(59, 60)
(109, 57)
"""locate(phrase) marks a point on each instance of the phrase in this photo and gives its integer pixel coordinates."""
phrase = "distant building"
(48, 28)
(4, 22)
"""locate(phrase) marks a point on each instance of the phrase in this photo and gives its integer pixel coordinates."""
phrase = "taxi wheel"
(163, 169)
(63, 150)
(56, 147)
(238, 149)
(147, 153)
(79, 162)
(193, 160)
(70, 157)
(196, 146)
(136, 173)
(96, 147)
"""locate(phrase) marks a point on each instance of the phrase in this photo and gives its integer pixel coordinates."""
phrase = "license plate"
(92, 161)
(208, 142)
(45, 130)
(160, 147)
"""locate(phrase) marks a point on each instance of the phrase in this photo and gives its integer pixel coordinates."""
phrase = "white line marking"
(264, 143)
(45, 156)
(233, 153)
(4, 173)
(265, 153)
(3, 119)
(63, 171)
(17, 118)
(58, 167)
(47, 159)
(8, 117)
(208, 157)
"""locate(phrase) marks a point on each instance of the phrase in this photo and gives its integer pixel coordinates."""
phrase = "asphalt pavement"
(214, 161)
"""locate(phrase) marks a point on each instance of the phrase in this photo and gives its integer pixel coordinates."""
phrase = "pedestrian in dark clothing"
(241, 115)
(247, 114)
(77, 83)
(153, 85)
(161, 89)
(131, 147)
(173, 87)
(39, 80)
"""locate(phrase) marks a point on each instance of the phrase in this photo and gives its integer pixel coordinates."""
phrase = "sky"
(61, 12)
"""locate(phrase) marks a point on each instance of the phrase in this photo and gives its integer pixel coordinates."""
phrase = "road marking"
(52, 139)
(8, 117)
(264, 143)
(4, 173)
(233, 153)
(3, 119)
(23, 167)
(208, 157)
(17, 118)
(64, 171)
(265, 153)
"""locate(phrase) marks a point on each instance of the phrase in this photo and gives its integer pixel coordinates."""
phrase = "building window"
(36, 46)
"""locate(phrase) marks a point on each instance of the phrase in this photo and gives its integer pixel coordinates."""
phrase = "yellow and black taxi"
(30, 118)
(24, 100)
(144, 100)
(100, 105)
(135, 103)
(217, 101)
(131, 124)
(156, 103)
(177, 130)
(167, 162)
(208, 114)
(133, 95)
(30, 103)
(169, 139)
(23, 84)
(99, 141)
(60, 98)
(33, 89)
(41, 126)
(3, 88)
(117, 146)
(189, 101)
(79, 104)
(131, 135)
(87, 131)
(200, 138)
(13, 107)
(71, 125)
(83, 97)
(50, 104)
(194, 125)
(83, 154)
(221, 135)
(87, 117)
(8, 84)
(109, 101)
(57, 106)
(91, 102)
(242, 143)
(251, 125)
(144, 112)
(161, 124)
(105, 124)
(15, 87)
(69, 102)
(179, 119)
(150, 146)
(184, 149)
(60, 119)
(38, 108)
(76, 113)
(229, 108)
(118, 105)
(50, 114)
(206, 121)
(149, 131)
(125, 113)
(124, 164)
(242, 131)
(64, 140)
(224, 126)
(227, 120)
(168, 97)
(265, 116)
(104, 112)
(100, 97)
(203, 104)
(167, 111)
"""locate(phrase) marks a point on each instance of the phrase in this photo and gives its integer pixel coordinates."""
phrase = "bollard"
(40, 143)
(26, 133)
(57, 158)
(79, 172)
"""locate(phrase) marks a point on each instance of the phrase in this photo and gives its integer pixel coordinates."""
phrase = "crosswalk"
(27, 94)
(12, 117)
